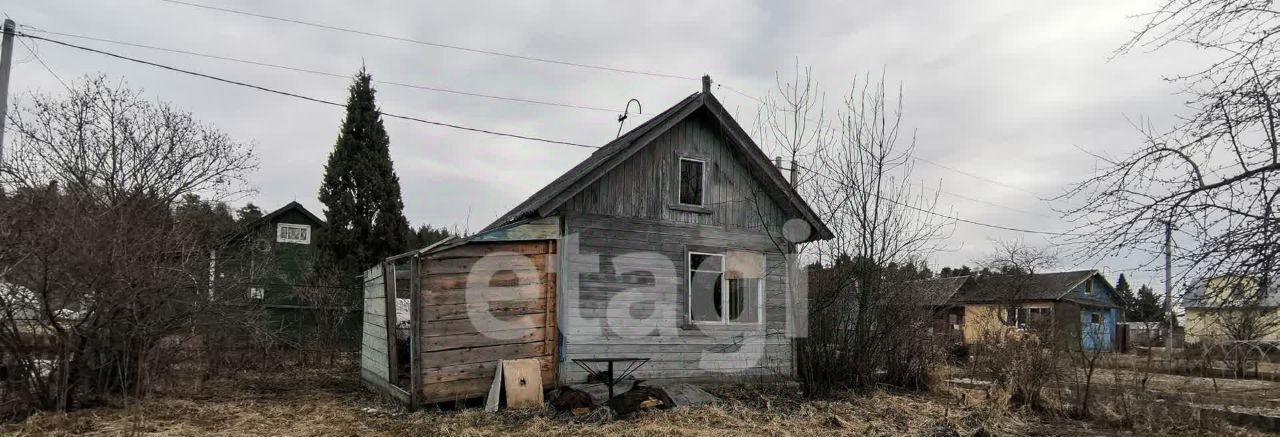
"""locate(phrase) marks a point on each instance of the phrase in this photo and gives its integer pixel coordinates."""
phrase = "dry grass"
(310, 403)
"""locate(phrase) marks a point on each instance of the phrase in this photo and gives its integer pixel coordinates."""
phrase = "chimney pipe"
(706, 83)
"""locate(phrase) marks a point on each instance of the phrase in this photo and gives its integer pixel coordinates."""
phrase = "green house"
(266, 267)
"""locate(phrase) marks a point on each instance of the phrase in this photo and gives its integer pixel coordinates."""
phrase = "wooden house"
(939, 296)
(665, 244)
(267, 264)
(1232, 308)
(1080, 309)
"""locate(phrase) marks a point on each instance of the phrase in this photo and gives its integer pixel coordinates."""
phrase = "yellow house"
(1078, 308)
(1227, 307)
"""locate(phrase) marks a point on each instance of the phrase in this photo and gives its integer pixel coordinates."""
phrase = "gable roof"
(546, 200)
(938, 291)
(294, 205)
(241, 231)
(1197, 297)
(1039, 286)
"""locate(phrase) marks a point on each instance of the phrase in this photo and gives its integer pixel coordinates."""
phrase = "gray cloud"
(1006, 89)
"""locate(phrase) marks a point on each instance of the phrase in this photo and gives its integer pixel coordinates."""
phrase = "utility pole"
(1168, 283)
(6, 61)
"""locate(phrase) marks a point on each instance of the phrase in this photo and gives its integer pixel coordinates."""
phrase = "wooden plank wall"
(632, 209)
(374, 370)
(672, 357)
(645, 186)
(457, 359)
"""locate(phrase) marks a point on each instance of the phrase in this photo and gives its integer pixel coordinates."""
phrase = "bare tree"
(857, 176)
(1213, 174)
(88, 230)
(1017, 347)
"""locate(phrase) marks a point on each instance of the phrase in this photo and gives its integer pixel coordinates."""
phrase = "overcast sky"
(1011, 90)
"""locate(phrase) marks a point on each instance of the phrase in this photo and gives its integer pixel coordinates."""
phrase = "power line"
(948, 217)
(925, 160)
(31, 49)
(977, 176)
(299, 96)
(434, 44)
(320, 73)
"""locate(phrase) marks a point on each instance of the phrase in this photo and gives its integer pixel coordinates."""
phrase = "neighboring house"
(1226, 308)
(268, 262)
(939, 296)
(664, 244)
(1079, 309)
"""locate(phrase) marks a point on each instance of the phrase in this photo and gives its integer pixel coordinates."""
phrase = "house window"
(692, 181)
(1027, 317)
(293, 233)
(256, 293)
(706, 281)
(1088, 286)
(726, 288)
(1095, 318)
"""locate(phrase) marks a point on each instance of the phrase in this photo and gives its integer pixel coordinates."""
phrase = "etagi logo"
(718, 305)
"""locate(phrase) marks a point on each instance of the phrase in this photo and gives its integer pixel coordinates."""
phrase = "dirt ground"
(331, 402)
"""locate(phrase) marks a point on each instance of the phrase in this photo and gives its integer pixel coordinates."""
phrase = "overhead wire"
(300, 96)
(317, 72)
(935, 213)
(434, 44)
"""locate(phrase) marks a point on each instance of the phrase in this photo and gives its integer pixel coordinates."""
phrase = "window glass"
(706, 276)
(726, 288)
(256, 293)
(691, 182)
(744, 300)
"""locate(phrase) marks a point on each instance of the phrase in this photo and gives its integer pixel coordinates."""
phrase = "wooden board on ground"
(522, 380)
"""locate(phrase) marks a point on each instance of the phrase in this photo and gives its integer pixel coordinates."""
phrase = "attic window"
(293, 233)
(692, 181)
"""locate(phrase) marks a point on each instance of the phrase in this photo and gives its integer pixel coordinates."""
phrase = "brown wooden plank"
(494, 263)
(459, 295)
(475, 250)
(487, 353)
(436, 328)
(453, 281)
(497, 309)
(467, 388)
(433, 375)
(480, 339)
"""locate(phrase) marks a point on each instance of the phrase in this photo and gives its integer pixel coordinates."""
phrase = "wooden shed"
(448, 337)
(667, 244)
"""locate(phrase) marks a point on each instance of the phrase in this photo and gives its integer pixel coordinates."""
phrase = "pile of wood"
(577, 404)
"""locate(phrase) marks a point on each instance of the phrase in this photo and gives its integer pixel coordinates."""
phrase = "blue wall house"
(1080, 309)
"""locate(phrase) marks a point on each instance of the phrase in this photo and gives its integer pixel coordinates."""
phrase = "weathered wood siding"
(515, 283)
(646, 184)
(374, 370)
(625, 234)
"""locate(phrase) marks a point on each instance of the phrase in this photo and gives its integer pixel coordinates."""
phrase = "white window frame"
(724, 294)
(257, 293)
(702, 182)
(280, 227)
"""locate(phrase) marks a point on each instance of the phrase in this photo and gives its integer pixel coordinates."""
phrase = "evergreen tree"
(1147, 306)
(426, 235)
(248, 213)
(208, 222)
(360, 192)
(1125, 291)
